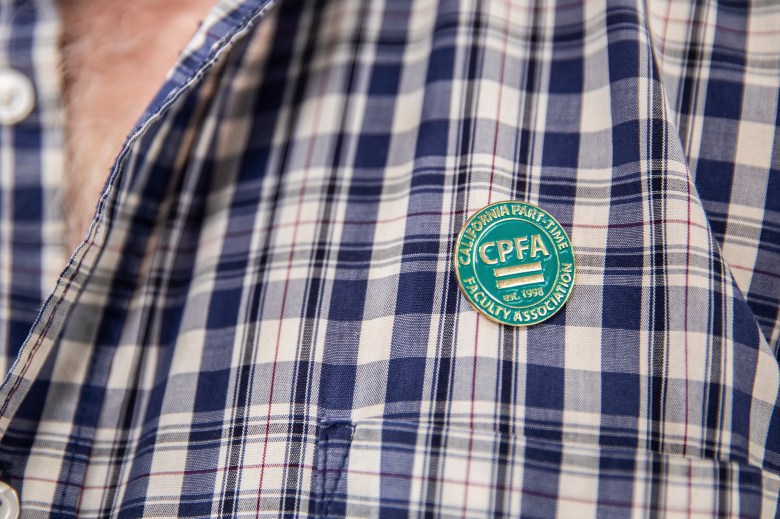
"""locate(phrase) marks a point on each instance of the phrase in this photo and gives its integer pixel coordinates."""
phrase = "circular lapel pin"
(514, 263)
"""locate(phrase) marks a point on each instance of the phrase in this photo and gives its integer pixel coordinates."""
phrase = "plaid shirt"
(264, 318)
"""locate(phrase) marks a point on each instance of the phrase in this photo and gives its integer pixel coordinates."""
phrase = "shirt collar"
(227, 23)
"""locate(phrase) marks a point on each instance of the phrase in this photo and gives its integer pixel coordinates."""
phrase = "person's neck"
(115, 55)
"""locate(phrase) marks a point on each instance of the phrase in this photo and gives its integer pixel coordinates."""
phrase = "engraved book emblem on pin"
(514, 263)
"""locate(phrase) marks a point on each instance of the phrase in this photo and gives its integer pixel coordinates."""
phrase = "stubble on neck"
(115, 57)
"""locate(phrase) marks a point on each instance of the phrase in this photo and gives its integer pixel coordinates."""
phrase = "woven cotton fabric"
(264, 318)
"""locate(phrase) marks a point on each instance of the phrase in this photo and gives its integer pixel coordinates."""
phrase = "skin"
(115, 56)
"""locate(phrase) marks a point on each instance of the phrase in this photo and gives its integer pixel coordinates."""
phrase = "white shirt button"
(17, 96)
(9, 502)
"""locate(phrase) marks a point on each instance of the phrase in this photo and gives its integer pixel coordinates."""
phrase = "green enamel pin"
(514, 263)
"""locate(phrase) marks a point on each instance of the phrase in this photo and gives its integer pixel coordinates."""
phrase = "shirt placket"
(32, 163)
(31, 167)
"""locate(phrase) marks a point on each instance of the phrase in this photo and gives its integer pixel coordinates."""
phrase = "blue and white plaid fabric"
(264, 318)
